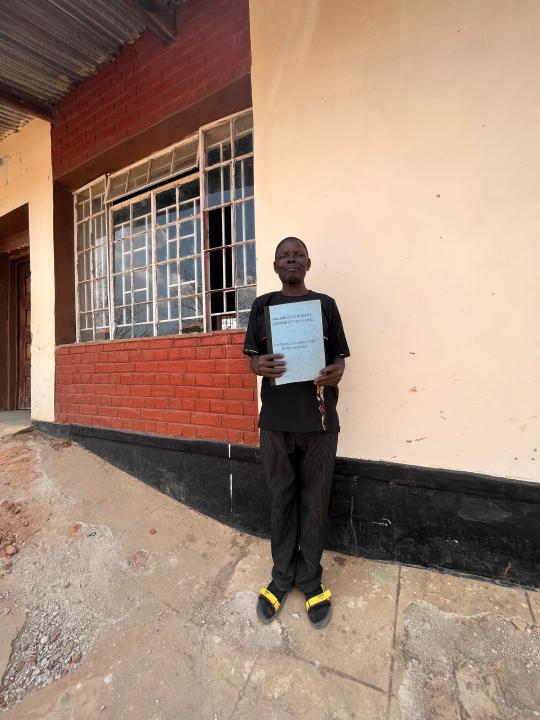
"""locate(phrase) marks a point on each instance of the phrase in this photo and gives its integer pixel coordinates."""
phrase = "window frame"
(151, 190)
(76, 221)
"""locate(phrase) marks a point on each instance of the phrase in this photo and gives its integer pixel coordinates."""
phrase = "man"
(299, 432)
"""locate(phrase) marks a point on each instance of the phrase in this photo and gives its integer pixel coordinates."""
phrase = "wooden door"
(24, 340)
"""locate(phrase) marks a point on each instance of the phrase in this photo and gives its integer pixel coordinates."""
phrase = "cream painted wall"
(26, 177)
(399, 139)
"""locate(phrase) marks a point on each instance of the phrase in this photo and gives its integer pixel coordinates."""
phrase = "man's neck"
(294, 290)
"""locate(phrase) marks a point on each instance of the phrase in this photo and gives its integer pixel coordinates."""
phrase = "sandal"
(319, 608)
(269, 602)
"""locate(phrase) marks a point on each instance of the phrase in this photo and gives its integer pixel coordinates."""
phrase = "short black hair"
(280, 243)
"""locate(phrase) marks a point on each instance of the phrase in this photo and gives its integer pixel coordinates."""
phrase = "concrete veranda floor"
(122, 603)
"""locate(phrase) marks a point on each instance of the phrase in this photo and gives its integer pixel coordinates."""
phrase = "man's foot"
(319, 607)
(270, 602)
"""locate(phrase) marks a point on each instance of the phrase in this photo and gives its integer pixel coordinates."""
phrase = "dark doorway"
(15, 304)
(24, 339)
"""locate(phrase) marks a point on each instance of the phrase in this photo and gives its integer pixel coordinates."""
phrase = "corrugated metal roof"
(11, 121)
(48, 46)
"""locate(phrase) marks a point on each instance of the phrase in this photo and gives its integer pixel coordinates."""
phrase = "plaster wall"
(399, 140)
(26, 177)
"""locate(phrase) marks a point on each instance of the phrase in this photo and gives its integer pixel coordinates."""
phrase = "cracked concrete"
(122, 603)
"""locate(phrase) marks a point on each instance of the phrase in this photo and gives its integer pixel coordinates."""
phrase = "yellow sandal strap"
(265, 592)
(325, 595)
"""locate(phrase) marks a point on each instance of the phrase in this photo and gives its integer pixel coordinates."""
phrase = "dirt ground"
(118, 602)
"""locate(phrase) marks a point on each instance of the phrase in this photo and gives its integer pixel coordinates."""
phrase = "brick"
(169, 366)
(211, 433)
(204, 380)
(206, 419)
(176, 416)
(250, 381)
(128, 413)
(234, 407)
(178, 429)
(211, 393)
(161, 391)
(216, 339)
(162, 379)
(187, 341)
(218, 406)
(185, 392)
(161, 428)
(234, 352)
(232, 366)
(141, 390)
(151, 414)
(201, 366)
(236, 380)
(88, 410)
(162, 402)
(202, 405)
(107, 411)
(203, 353)
(235, 436)
(238, 394)
(143, 367)
(251, 408)
(182, 353)
(251, 438)
(239, 422)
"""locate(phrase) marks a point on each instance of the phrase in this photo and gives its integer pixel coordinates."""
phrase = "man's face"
(291, 263)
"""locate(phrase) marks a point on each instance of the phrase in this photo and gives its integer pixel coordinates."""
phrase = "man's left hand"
(331, 374)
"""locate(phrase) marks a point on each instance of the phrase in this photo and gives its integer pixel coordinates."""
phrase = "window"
(91, 263)
(230, 222)
(177, 232)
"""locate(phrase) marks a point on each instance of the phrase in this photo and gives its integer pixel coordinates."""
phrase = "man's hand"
(269, 366)
(331, 374)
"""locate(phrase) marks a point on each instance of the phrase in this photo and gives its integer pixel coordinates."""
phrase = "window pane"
(83, 204)
(185, 156)
(83, 236)
(138, 176)
(245, 298)
(243, 135)
(243, 178)
(140, 208)
(187, 270)
(117, 185)
(168, 328)
(100, 294)
(218, 144)
(213, 196)
(160, 167)
(121, 216)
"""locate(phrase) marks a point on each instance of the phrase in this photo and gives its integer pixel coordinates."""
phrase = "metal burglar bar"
(91, 263)
(229, 222)
(175, 268)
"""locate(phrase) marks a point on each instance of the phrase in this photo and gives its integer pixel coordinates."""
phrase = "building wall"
(26, 177)
(195, 386)
(149, 81)
(399, 140)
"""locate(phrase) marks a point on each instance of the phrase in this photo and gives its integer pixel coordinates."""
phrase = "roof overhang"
(49, 47)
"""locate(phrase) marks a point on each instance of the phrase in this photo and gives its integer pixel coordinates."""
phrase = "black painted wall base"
(444, 519)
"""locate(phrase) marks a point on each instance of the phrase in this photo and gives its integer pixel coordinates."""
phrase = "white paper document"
(295, 330)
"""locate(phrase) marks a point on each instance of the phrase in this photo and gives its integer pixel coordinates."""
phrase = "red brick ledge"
(193, 386)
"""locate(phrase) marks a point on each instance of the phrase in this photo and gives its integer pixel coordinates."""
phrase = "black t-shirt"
(294, 407)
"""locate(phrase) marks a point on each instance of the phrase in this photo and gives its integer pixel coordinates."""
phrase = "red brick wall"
(195, 386)
(149, 82)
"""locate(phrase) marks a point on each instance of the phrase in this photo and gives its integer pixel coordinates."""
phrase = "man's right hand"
(269, 366)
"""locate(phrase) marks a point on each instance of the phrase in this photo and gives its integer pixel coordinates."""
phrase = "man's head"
(291, 261)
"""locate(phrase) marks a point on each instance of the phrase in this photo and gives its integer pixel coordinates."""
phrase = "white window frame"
(149, 190)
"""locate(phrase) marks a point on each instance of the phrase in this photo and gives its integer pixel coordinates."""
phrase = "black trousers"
(299, 468)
